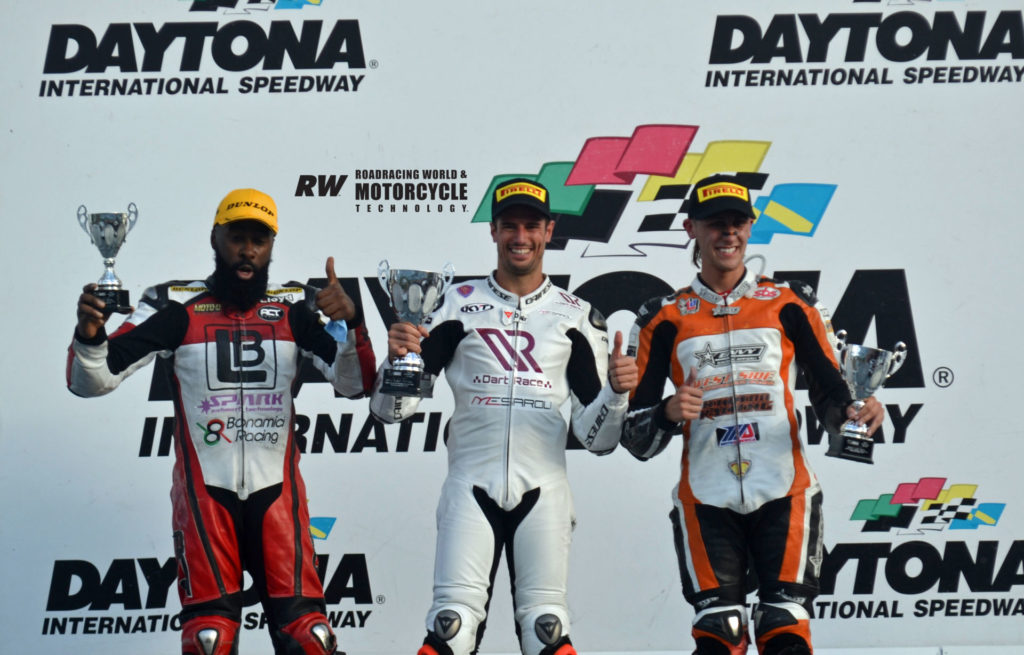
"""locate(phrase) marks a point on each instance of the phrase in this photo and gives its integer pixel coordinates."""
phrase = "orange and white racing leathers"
(747, 485)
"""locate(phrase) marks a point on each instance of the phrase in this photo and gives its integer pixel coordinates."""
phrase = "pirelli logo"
(720, 189)
(521, 188)
(277, 292)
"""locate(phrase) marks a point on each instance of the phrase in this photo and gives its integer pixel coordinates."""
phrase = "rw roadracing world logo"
(623, 195)
(142, 58)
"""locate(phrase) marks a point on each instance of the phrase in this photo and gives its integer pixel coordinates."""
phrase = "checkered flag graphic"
(939, 513)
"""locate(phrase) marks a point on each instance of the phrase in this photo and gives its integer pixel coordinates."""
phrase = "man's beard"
(235, 292)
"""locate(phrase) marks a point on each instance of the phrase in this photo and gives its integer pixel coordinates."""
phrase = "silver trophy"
(413, 295)
(107, 232)
(865, 371)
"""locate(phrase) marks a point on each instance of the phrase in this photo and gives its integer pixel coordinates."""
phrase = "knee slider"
(447, 624)
(728, 624)
(450, 633)
(308, 635)
(548, 628)
(209, 635)
(771, 616)
(544, 630)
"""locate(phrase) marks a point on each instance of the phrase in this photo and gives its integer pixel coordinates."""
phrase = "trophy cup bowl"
(108, 231)
(413, 295)
(865, 371)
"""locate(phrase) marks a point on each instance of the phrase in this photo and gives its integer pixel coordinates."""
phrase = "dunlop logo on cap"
(720, 189)
(523, 188)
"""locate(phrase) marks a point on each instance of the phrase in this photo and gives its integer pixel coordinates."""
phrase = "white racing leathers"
(512, 362)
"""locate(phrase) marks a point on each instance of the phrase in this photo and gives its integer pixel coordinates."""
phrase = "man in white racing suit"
(514, 348)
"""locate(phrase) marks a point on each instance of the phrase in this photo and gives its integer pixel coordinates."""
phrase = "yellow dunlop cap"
(247, 204)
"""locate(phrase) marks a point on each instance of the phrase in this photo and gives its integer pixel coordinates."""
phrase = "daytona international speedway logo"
(625, 195)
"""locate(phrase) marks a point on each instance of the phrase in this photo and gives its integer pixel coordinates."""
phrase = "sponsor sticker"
(723, 189)
(270, 313)
(767, 293)
(690, 306)
(522, 189)
(734, 434)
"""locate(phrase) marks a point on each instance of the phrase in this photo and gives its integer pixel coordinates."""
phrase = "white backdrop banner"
(885, 145)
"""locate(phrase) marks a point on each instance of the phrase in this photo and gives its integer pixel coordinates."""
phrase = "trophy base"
(116, 300)
(855, 448)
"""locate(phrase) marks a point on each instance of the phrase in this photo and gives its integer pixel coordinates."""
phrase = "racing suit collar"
(511, 298)
(746, 286)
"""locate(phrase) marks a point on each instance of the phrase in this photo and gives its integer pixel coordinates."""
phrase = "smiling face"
(722, 240)
(521, 235)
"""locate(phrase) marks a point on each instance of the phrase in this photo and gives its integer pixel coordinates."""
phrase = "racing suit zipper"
(242, 492)
(735, 400)
(511, 398)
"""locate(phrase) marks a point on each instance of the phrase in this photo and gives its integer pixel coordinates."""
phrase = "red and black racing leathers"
(238, 498)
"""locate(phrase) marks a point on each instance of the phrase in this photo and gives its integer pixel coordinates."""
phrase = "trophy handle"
(449, 273)
(383, 273)
(899, 355)
(133, 215)
(841, 345)
(83, 217)
(841, 339)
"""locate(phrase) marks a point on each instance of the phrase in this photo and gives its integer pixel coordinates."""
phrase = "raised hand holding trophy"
(865, 371)
(107, 232)
(413, 295)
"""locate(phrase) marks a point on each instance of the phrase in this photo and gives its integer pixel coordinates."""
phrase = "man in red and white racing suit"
(748, 502)
(514, 348)
(239, 502)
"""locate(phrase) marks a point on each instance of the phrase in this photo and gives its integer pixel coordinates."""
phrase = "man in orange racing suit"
(239, 502)
(747, 499)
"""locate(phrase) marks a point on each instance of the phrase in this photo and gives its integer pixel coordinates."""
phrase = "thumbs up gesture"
(685, 403)
(332, 299)
(622, 371)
